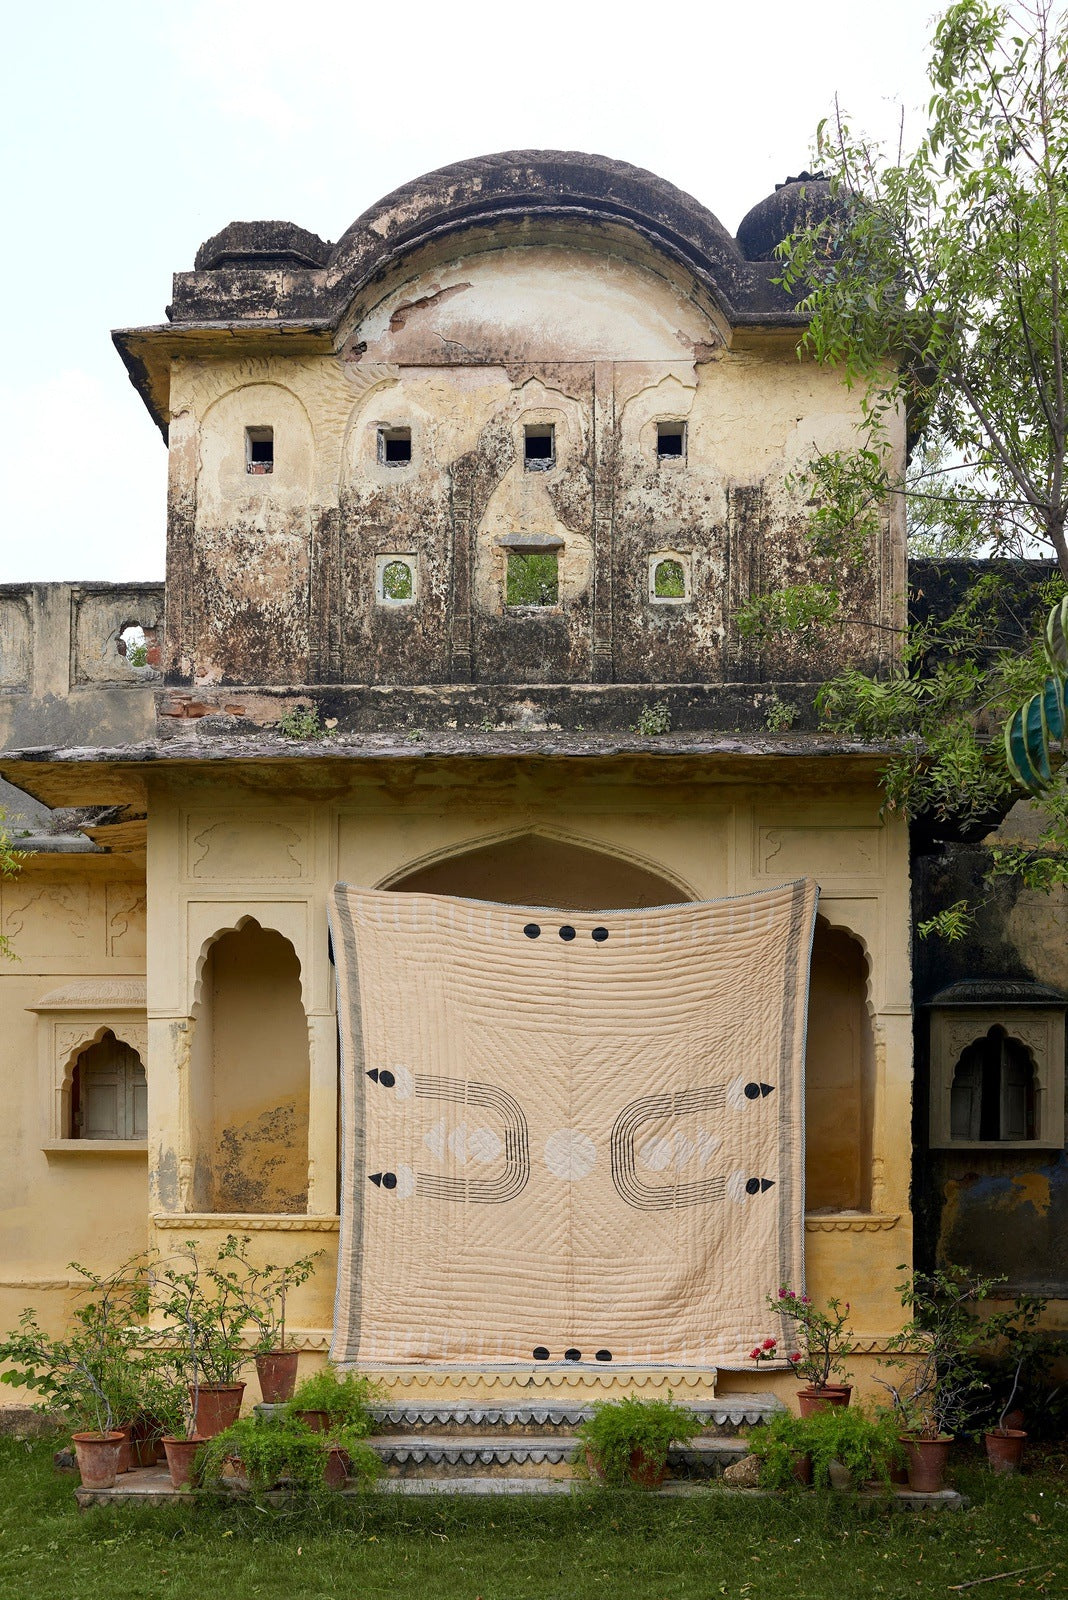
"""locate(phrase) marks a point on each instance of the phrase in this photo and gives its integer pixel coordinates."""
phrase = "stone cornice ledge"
(852, 1222)
(201, 1221)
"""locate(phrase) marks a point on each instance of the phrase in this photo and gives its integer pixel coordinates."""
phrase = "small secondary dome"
(262, 244)
(795, 204)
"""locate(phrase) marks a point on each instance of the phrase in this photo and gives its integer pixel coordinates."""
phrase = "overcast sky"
(135, 130)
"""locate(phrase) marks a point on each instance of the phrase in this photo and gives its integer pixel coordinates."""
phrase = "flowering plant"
(823, 1333)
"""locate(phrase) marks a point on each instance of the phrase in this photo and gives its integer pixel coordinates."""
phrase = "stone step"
(725, 1417)
(523, 1455)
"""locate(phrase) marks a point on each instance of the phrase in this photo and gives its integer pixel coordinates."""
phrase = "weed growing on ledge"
(302, 723)
(654, 719)
(779, 714)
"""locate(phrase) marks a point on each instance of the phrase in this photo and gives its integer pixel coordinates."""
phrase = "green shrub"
(285, 1452)
(618, 1428)
(866, 1446)
(346, 1400)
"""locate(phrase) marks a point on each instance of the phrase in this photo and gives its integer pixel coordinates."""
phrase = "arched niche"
(536, 869)
(107, 1092)
(839, 1075)
(249, 1076)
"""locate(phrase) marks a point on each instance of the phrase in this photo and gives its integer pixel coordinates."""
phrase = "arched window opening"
(839, 1075)
(109, 1092)
(993, 1094)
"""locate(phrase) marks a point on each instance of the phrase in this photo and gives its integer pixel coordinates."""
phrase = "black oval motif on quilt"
(540, 1353)
(386, 1079)
(752, 1091)
(753, 1186)
(567, 933)
(572, 1355)
(389, 1180)
(599, 935)
(603, 1355)
(532, 930)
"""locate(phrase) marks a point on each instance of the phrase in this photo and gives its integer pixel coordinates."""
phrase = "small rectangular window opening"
(259, 450)
(670, 440)
(539, 447)
(533, 578)
(394, 446)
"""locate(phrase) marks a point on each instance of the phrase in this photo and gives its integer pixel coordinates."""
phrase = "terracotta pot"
(338, 1463)
(811, 1400)
(641, 1469)
(218, 1405)
(126, 1456)
(145, 1442)
(317, 1421)
(277, 1372)
(98, 1458)
(802, 1469)
(1004, 1449)
(926, 1462)
(180, 1454)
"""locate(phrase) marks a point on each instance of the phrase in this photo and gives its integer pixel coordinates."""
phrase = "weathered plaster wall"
(221, 853)
(271, 578)
(77, 927)
(63, 679)
(1006, 1214)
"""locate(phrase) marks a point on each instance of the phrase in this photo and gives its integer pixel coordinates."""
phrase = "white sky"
(134, 130)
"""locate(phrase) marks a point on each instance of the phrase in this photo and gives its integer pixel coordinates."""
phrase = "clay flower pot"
(218, 1406)
(98, 1458)
(811, 1400)
(1004, 1449)
(317, 1421)
(336, 1472)
(145, 1442)
(642, 1470)
(180, 1455)
(927, 1460)
(277, 1372)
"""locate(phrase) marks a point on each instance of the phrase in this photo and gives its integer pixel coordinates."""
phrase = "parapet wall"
(65, 676)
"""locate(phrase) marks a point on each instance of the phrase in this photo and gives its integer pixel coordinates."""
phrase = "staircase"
(528, 1446)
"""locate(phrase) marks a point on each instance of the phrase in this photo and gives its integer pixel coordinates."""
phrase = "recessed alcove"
(839, 1075)
(249, 1077)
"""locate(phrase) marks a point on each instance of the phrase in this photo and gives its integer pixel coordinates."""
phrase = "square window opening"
(395, 446)
(671, 441)
(539, 447)
(533, 578)
(396, 580)
(259, 450)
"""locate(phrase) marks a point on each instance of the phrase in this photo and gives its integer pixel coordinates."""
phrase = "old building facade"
(461, 512)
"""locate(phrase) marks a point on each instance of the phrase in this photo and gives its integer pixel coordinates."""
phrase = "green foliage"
(866, 1446)
(258, 1292)
(302, 723)
(1041, 724)
(952, 925)
(273, 1453)
(779, 714)
(345, 1398)
(821, 1334)
(532, 578)
(10, 862)
(669, 580)
(938, 1357)
(618, 1428)
(935, 287)
(654, 719)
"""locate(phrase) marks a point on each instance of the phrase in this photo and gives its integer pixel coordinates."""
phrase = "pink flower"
(794, 1358)
(769, 1344)
(782, 1294)
(754, 1355)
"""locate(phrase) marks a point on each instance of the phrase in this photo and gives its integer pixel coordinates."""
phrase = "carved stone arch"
(260, 375)
(837, 924)
(73, 1041)
(840, 1079)
(268, 925)
(634, 869)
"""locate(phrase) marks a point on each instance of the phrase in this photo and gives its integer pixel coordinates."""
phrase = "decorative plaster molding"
(859, 1222)
(42, 1283)
(95, 994)
(543, 1375)
(202, 1221)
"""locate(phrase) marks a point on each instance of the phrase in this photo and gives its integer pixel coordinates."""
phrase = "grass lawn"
(625, 1546)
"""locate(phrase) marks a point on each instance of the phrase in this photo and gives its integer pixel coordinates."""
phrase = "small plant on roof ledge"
(303, 724)
(654, 719)
(823, 1341)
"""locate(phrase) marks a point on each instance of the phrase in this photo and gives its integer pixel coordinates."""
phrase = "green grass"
(619, 1545)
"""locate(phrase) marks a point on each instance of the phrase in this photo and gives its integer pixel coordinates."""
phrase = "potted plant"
(281, 1452)
(327, 1402)
(823, 1345)
(937, 1357)
(204, 1316)
(263, 1291)
(832, 1447)
(627, 1441)
(1026, 1350)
